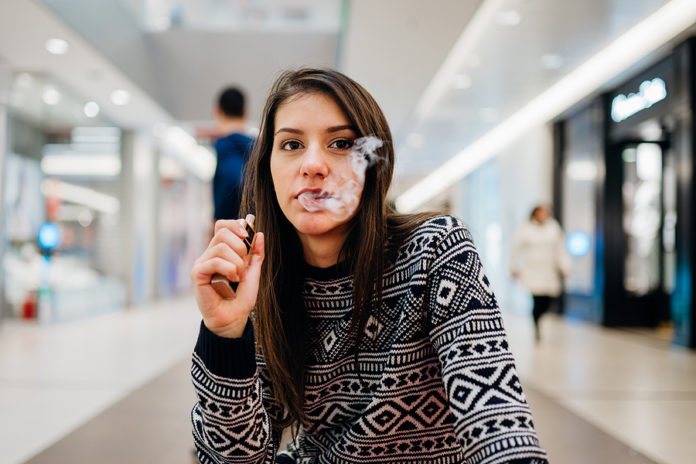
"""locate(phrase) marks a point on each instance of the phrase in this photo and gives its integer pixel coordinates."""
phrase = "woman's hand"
(227, 255)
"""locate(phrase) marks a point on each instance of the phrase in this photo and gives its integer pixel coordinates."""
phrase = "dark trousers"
(542, 304)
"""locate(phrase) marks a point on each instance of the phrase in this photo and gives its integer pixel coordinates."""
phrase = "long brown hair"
(279, 315)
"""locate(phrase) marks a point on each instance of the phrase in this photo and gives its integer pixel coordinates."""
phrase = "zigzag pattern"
(437, 385)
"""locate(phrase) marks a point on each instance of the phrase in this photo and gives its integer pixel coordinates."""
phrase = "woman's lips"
(314, 200)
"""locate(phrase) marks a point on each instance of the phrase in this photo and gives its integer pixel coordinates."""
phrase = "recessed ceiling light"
(120, 97)
(508, 18)
(51, 95)
(552, 61)
(57, 46)
(91, 109)
(462, 81)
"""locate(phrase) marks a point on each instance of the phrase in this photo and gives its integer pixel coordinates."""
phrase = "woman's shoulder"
(441, 225)
(433, 230)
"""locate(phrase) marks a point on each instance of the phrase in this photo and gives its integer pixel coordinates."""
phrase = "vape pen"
(224, 287)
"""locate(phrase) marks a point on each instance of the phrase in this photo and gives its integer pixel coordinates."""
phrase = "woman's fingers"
(202, 271)
(235, 225)
(231, 239)
(249, 286)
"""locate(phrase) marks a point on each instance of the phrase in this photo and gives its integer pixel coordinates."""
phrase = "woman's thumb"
(250, 285)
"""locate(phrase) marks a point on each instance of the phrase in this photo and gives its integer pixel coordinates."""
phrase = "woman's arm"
(232, 421)
(492, 419)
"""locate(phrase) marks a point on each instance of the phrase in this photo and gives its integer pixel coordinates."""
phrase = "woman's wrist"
(232, 330)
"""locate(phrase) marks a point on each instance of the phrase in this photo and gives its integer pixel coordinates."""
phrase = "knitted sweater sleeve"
(232, 420)
(492, 420)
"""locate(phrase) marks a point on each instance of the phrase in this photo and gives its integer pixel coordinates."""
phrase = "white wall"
(497, 198)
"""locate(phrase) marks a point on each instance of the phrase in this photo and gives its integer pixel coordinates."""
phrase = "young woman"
(375, 335)
(538, 257)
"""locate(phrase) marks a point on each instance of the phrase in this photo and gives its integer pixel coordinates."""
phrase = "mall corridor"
(559, 137)
(116, 389)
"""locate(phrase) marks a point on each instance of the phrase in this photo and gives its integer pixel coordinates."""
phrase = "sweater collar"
(336, 271)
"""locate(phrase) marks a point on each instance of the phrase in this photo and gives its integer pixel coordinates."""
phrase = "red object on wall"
(29, 306)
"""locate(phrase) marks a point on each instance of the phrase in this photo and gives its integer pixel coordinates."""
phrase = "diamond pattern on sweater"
(437, 381)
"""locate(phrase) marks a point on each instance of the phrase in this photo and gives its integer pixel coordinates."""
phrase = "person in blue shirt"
(233, 150)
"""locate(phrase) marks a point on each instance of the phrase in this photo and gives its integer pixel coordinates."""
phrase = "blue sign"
(578, 243)
(49, 235)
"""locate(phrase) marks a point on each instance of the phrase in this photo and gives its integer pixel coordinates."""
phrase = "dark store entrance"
(625, 181)
(646, 186)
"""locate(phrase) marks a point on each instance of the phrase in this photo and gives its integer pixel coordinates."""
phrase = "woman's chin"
(315, 223)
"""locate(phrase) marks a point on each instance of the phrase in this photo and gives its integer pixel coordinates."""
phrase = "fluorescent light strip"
(194, 157)
(81, 195)
(81, 165)
(443, 79)
(644, 38)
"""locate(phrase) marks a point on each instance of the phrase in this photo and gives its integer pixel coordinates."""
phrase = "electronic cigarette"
(224, 287)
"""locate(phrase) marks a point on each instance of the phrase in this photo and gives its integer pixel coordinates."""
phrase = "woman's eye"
(342, 144)
(290, 145)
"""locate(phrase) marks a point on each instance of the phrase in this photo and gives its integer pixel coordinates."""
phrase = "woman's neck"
(322, 251)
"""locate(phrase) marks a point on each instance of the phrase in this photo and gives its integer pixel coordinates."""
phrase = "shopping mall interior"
(108, 133)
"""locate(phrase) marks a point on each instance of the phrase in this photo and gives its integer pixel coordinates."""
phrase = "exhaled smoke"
(340, 194)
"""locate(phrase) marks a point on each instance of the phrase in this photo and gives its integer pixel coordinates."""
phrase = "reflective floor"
(115, 389)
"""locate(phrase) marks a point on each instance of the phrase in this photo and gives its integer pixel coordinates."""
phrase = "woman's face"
(312, 166)
(542, 214)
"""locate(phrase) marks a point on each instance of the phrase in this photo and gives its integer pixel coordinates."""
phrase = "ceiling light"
(81, 165)
(194, 157)
(460, 53)
(508, 18)
(91, 109)
(81, 195)
(120, 97)
(645, 37)
(51, 95)
(581, 170)
(57, 46)
(552, 61)
(462, 81)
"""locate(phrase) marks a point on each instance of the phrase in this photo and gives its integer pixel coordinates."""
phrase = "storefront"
(624, 188)
(94, 217)
(61, 205)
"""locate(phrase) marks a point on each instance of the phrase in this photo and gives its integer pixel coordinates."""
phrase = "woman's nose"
(314, 162)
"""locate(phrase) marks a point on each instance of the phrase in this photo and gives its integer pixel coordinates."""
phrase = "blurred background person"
(538, 258)
(232, 148)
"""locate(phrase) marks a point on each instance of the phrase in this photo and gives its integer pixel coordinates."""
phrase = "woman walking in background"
(539, 260)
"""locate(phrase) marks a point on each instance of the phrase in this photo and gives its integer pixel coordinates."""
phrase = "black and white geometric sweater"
(439, 382)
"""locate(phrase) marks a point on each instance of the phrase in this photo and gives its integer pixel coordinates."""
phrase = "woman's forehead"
(303, 108)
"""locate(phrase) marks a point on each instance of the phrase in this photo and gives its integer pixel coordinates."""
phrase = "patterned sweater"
(439, 382)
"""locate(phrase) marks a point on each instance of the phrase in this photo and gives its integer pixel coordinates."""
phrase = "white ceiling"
(395, 48)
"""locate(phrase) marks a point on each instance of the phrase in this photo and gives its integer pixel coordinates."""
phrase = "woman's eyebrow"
(288, 129)
(340, 128)
(330, 129)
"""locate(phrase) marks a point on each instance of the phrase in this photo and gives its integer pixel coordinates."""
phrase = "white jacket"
(539, 258)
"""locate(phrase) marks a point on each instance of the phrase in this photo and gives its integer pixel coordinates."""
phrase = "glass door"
(648, 223)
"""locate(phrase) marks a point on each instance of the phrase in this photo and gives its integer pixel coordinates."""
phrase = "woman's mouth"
(314, 201)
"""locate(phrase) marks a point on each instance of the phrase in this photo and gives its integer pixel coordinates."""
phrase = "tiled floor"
(54, 378)
(115, 389)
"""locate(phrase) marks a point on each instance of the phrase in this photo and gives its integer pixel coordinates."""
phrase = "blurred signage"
(649, 93)
(49, 235)
(578, 243)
